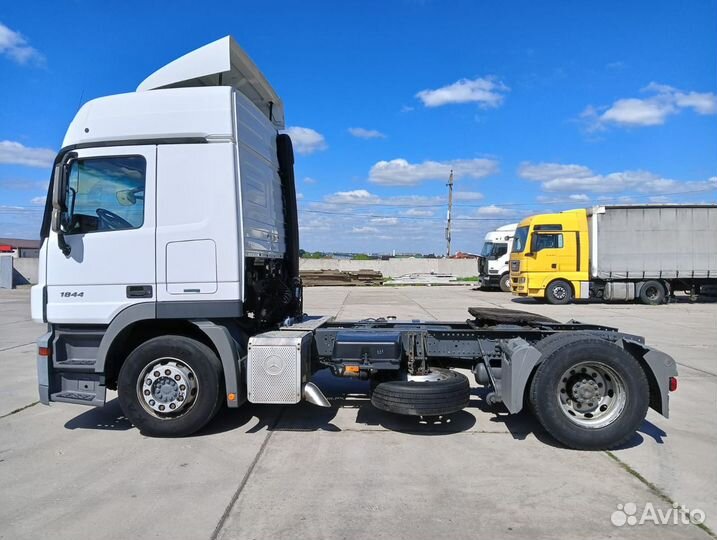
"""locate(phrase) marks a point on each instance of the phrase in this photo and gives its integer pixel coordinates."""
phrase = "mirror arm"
(63, 245)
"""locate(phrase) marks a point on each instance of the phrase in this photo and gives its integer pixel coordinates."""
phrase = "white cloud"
(574, 197)
(638, 112)
(467, 196)
(310, 181)
(494, 211)
(306, 140)
(559, 177)
(20, 221)
(653, 110)
(356, 196)
(701, 103)
(364, 230)
(15, 153)
(38, 201)
(385, 221)
(548, 171)
(399, 172)
(15, 46)
(362, 197)
(488, 92)
(362, 133)
(24, 185)
(418, 212)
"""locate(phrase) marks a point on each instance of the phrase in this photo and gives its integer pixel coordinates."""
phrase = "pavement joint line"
(343, 304)
(245, 479)
(654, 489)
(17, 346)
(19, 410)
(420, 306)
(697, 369)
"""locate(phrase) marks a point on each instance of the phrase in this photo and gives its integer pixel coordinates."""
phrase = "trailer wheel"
(559, 292)
(170, 386)
(440, 392)
(505, 283)
(652, 293)
(589, 394)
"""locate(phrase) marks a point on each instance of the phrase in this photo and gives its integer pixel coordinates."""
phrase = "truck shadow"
(347, 396)
(677, 299)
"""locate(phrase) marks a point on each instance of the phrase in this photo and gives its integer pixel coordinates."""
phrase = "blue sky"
(537, 106)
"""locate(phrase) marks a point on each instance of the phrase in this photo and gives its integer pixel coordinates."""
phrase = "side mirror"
(59, 199)
(58, 195)
(534, 244)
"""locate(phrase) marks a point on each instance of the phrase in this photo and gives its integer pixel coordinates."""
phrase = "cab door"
(110, 229)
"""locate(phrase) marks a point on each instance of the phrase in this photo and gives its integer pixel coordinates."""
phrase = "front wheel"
(559, 292)
(170, 386)
(505, 283)
(589, 394)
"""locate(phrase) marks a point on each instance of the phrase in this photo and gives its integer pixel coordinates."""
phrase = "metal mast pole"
(450, 208)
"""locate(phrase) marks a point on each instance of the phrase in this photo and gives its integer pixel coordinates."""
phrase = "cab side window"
(105, 194)
(548, 241)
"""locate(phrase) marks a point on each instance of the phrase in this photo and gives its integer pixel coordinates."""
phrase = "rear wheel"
(559, 292)
(505, 283)
(589, 394)
(170, 386)
(437, 393)
(652, 293)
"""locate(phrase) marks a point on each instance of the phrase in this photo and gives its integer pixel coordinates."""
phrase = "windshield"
(496, 250)
(521, 237)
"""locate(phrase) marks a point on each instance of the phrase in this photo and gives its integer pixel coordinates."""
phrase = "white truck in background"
(169, 272)
(494, 260)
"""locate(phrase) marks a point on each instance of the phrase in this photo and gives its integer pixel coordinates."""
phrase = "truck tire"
(170, 386)
(505, 283)
(652, 293)
(559, 292)
(588, 393)
(446, 392)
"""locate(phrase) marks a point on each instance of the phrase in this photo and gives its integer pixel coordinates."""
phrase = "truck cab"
(550, 257)
(493, 267)
(169, 207)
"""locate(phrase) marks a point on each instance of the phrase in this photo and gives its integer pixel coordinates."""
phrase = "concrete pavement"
(352, 471)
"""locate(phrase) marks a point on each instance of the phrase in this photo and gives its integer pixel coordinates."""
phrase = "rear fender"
(658, 368)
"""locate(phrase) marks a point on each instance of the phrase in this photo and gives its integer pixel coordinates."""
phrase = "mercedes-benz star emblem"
(273, 365)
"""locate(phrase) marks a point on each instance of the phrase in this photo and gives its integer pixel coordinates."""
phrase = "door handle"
(139, 291)
(553, 266)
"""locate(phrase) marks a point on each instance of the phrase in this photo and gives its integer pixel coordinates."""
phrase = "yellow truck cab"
(550, 257)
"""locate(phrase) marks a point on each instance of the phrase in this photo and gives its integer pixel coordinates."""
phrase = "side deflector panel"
(260, 183)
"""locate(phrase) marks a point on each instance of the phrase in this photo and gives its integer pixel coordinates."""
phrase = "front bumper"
(490, 280)
(519, 284)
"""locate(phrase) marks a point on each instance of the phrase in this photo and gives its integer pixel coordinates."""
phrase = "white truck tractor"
(493, 263)
(169, 272)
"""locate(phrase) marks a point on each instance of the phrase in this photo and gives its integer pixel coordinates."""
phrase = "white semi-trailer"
(493, 263)
(169, 272)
